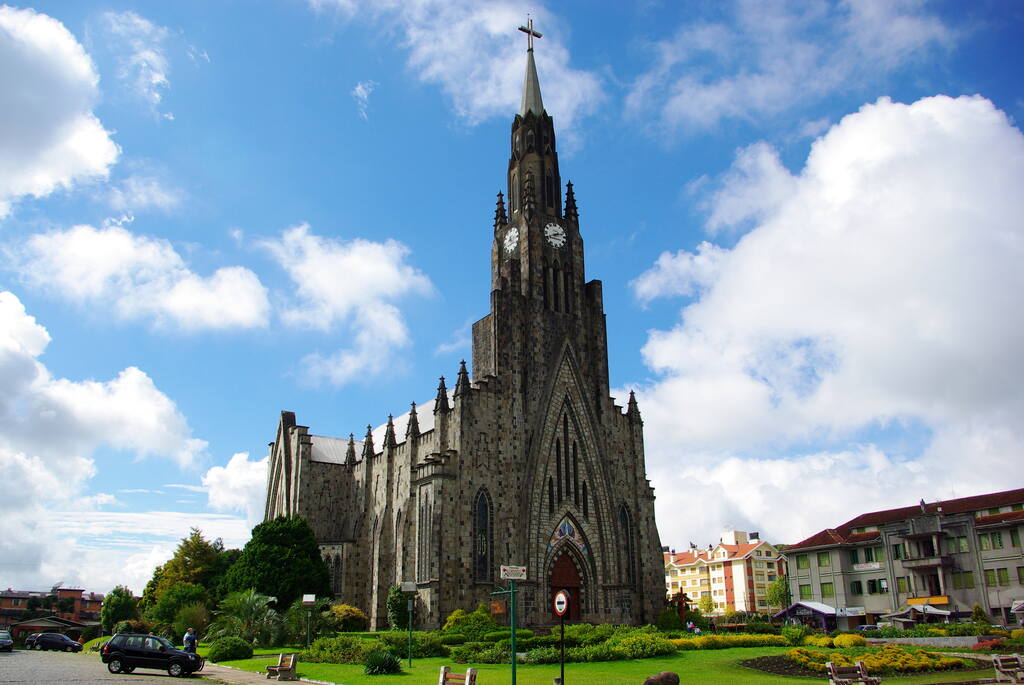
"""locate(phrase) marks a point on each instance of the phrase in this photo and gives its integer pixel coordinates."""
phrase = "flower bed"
(887, 660)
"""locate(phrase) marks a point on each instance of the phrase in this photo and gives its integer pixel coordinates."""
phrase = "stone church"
(527, 462)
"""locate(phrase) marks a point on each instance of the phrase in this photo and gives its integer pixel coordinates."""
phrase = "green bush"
(474, 626)
(229, 648)
(795, 634)
(849, 640)
(453, 639)
(131, 626)
(343, 649)
(382, 662)
(424, 645)
(494, 636)
(641, 645)
(349, 619)
(668, 619)
(726, 641)
(598, 652)
(760, 628)
(480, 653)
(544, 655)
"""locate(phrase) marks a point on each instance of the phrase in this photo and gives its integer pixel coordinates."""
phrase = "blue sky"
(806, 217)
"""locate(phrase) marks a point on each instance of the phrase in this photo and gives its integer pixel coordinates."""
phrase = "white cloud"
(473, 52)
(683, 273)
(879, 289)
(361, 94)
(49, 429)
(773, 57)
(49, 136)
(139, 192)
(461, 340)
(239, 486)
(143, 62)
(142, 278)
(352, 283)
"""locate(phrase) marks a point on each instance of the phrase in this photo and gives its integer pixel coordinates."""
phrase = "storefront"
(810, 613)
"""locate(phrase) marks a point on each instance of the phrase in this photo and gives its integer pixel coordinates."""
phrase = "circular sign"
(561, 602)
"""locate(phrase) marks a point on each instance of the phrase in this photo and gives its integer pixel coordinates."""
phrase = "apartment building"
(735, 573)
(67, 603)
(949, 555)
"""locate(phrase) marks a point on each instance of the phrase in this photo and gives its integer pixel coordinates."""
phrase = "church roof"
(333, 450)
(531, 89)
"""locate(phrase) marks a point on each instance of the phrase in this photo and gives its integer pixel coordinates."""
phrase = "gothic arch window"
(575, 476)
(551, 496)
(556, 281)
(627, 547)
(517, 148)
(336, 574)
(483, 538)
(568, 465)
(567, 288)
(546, 271)
(558, 467)
(586, 501)
(549, 189)
(529, 140)
(423, 535)
(513, 197)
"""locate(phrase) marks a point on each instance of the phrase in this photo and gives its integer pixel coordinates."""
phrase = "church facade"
(527, 462)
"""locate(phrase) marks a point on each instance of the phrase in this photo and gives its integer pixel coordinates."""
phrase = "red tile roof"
(1005, 517)
(843, 534)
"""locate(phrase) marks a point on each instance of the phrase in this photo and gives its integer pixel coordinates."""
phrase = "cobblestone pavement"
(55, 668)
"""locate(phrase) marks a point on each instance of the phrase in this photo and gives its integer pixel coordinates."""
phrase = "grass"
(708, 667)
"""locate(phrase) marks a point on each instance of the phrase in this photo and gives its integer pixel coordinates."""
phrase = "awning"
(1017, 606)
(924, 609)
(816, 607)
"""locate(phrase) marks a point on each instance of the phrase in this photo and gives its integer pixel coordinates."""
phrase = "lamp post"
(409, 587)
(309, 601)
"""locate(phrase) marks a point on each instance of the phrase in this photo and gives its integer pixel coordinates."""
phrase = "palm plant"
(248, 615)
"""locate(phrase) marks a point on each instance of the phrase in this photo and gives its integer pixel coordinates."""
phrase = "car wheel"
(37, 647)
(114, 666)
(175, 669)
(69, 648)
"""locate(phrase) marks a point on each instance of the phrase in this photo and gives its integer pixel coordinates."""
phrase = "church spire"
(441, 402)
(389, 432)
(350, 453)
(571, 214)
(500, 219)
(633, 409)
(412, 429)
(368, 451)
(462, 384)
(531, 84)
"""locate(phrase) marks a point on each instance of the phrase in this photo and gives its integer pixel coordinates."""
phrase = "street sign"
(561, 602)
(513, 573)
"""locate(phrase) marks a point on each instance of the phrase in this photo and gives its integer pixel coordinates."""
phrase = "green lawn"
(707, 667)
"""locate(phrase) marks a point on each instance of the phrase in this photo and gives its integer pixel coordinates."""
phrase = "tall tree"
(777, 593)
(118, 605)
(281, 560)
(174, 598)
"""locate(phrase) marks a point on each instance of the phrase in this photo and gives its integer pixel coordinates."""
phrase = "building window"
(856, 588)
(1003, 576)
(963, 580)
(993, 512)
(805, 592)
(586, 501)
(854, 556)
(802, 561)
(629, 558)
(824, 559)
(482, 537)
(551, 496)
(903, 584)
(990, 576)
(1020, 575)
(997, 540)
(828, 590)
(983, 542)
(957, 544)
(878, 587)
(1015, 538)
(897, 551)
(1017, 507)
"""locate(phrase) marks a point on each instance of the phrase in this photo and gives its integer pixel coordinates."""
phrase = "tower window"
(513, 197)
(551, 496)
(558, 467)
(549, 189)
(626, 550)
(586, 501)
(575, 476)
(482, 538)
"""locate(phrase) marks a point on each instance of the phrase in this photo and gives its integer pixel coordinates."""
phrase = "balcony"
(928, 562)
(923, 526)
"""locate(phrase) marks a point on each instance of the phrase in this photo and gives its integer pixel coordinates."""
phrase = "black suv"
(57, 641)
(127, 651)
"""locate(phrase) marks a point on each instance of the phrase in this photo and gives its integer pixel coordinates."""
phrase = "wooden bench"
(285, 669)
(449, 678)
(850, 675)
(1009, 667)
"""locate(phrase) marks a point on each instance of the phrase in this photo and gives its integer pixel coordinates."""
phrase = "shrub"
(598, 652)
(668, 619)
(988, 645)
(131, 626)
(424, 645)
(229, 648)
(641, 645)
(889, 659)
(474, 626)
(382, 662)
(818, 641)
(494, 636)
(726, 641)
(343, 649)
(965, 629)
(480, 653)
(452, 638)
(349, 619)
(1017, 634)
(761, 628)
(795, 634)
(849, 640)
(544, 655)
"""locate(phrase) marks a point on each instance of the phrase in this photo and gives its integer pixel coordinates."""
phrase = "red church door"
(564, 576)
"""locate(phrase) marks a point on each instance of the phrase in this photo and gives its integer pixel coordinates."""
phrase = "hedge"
(727, 641)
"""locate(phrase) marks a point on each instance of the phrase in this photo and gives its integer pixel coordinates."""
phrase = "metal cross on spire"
(530, 33)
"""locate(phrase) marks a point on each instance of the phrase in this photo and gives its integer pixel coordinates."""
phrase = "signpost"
(512, 574)
(309, 601)
(561, 608)
(409, 586)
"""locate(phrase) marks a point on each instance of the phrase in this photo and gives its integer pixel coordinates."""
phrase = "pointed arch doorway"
(565, 576)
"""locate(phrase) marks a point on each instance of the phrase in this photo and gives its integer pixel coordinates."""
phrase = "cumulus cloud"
(49, 429)
(141, 54)
(352, 283)
(877, 291)
(141, 277)
(139, 191)
(49, 136)
(473, 52)
(768, 58)
(240, 486)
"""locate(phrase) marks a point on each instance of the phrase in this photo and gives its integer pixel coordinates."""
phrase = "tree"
(118, 605)
(281, 560)
(978, 614)
(195, 616)
(151, 593)
(176, 597)
(398, 608)
(777, 593)
(706, 604)
(247, 615)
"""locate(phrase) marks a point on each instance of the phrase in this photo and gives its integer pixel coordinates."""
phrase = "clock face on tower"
(511, 239)
(555, 235)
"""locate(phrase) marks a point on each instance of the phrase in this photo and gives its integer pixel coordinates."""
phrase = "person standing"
(190, 640)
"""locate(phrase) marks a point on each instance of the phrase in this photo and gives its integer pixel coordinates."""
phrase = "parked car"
(58, 641)
(31, 640)
(6, 642)
(127, 651)
(866, 628)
